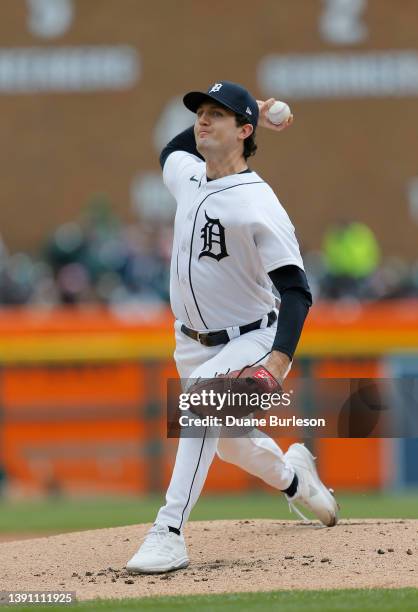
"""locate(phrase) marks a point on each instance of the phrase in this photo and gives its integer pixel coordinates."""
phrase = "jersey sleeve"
(179, 167)
(274, 234)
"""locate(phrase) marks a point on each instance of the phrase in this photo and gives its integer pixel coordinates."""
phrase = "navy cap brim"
(194, 99)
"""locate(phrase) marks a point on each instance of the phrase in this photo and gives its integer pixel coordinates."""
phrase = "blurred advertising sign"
(340, 75)
(87, 68)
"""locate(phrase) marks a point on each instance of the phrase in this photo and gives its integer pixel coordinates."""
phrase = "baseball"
(279, 112)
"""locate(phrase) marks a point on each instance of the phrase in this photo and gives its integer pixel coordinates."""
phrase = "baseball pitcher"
(233, 241)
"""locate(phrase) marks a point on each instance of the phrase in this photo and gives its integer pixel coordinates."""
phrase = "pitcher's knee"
(228, 450)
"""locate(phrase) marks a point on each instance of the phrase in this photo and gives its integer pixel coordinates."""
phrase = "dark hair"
(250, 146)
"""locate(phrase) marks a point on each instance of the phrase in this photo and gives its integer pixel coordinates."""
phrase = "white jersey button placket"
(185, 244)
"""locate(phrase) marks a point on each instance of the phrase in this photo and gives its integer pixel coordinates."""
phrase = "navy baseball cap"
(233, 96)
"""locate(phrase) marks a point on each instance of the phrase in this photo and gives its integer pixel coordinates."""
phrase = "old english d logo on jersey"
(213, 234)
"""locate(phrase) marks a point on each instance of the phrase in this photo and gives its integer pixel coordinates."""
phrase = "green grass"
(64, 514)
(352, 600)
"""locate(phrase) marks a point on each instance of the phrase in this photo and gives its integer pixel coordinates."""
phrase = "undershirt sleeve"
(185, 141)
(296, 299)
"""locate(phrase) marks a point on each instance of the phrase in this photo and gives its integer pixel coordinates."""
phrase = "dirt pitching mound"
(226, 556)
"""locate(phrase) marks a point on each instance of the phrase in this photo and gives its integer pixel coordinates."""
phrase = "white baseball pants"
(260, 456)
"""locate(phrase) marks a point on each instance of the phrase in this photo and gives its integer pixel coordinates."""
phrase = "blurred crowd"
(101, 260)
(350, 265)
(95, 260)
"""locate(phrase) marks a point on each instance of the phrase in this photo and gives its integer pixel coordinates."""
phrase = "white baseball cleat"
(311, 492)
(161, 551)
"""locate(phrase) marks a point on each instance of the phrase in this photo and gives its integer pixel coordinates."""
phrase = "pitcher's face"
(216, 130)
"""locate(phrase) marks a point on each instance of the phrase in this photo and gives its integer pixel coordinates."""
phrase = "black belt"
(221, 337)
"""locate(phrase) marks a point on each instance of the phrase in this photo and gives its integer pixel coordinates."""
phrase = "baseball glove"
(251, 382)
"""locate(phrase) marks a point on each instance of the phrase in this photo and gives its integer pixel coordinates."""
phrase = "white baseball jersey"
(228, 234)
